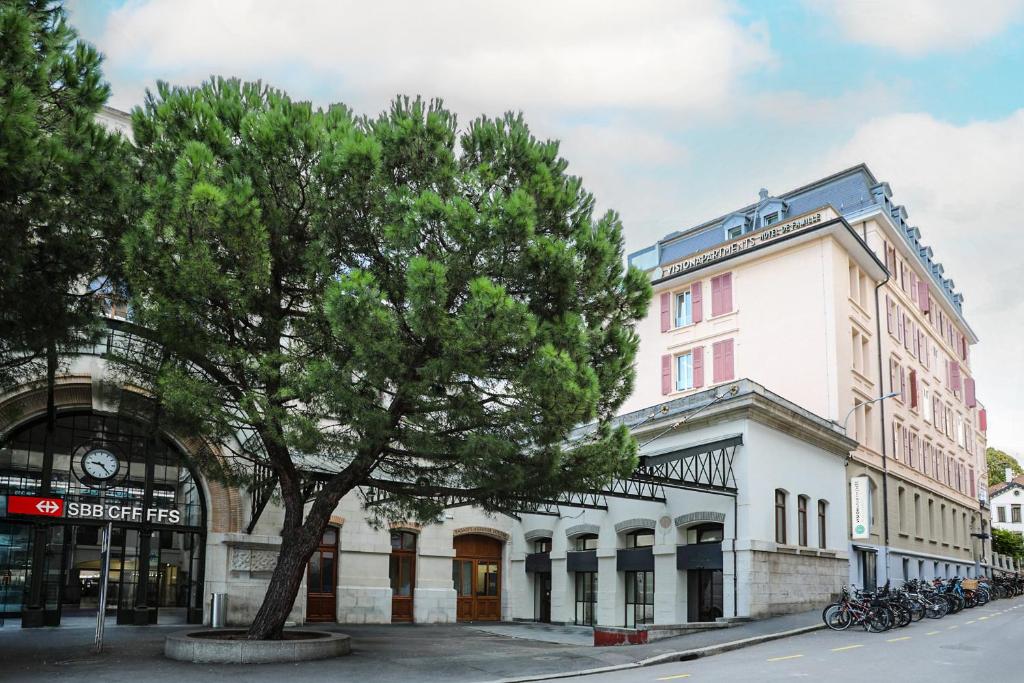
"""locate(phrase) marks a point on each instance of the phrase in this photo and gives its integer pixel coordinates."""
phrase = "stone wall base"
(784, 583)
(434, 605)
(364, 605)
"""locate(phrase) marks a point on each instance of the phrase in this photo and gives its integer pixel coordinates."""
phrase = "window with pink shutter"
(697, 301)
(698, 367)
(954, 376)
(722, 361)
(666, 374)
(970, 400)
(983, 420)
(913, 389)
(890, 313)
(922, 295)
(666, 311)
(721, 294)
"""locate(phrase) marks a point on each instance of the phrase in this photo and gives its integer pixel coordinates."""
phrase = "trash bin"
(218, 610)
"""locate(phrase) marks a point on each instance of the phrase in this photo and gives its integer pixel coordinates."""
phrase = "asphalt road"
(967, 647)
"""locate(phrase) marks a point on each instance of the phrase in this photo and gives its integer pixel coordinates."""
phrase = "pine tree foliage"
(394, 301)
(62, 196)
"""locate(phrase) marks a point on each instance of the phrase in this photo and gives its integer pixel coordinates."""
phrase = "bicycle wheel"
(879, 619)
(836, 617)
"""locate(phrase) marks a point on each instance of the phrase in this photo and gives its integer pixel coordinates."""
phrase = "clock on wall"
(96, 466)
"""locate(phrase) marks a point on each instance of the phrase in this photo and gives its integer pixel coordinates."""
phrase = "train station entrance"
(55, 501)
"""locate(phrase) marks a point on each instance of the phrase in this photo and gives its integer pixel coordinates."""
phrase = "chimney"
(1009, 475)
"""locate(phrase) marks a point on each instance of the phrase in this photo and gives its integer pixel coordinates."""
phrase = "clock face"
(100, 464)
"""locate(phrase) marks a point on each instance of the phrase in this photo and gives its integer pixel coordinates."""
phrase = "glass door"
(15, 560)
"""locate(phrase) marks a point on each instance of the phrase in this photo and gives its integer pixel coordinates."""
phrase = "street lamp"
(874, 400)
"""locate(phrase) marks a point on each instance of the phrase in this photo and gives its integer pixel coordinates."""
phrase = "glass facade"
(154, 565)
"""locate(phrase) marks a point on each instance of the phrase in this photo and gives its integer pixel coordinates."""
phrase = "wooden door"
(403, 575)
(321, 579)
(476, 574)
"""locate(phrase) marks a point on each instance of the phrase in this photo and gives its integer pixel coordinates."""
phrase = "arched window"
(586, 542)
(780, 516)
(822, 523)
(801, 519)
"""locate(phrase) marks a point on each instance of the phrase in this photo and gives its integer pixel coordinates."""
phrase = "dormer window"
(770, 218)
(735, 232)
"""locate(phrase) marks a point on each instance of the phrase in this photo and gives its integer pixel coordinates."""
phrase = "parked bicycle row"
(887, 607)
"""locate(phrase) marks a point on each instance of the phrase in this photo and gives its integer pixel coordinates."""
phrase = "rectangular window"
(1001, 513)
(926, 403)
(639, 598)
(684, 309)
(770, 218)
(684, 371)
(1015, 514)
(586, 598)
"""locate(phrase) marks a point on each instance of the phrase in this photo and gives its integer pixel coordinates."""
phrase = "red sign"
(33, 505)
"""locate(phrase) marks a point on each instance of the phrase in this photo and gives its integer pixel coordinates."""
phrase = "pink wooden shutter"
(727, 294)
(721, 294)
(970, 400)
(922, 295)
(666, 374)
(913, 388)
(723, 361)
(666, 311)
(954, 376)
(983, 420)
(697, 301)
(698, 367)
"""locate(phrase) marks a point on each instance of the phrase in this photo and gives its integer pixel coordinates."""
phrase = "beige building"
(826, 295)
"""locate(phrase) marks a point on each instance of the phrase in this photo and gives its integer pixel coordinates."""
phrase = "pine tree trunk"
(299, 539)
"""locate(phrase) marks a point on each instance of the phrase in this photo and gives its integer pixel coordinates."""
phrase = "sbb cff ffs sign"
(56, 507)
(35, 505)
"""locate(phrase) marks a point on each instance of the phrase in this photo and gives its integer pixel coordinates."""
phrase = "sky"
(673, 112)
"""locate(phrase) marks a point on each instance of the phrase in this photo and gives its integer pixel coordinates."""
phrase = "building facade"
(1007, 499)
(826, 295)
(769, 474)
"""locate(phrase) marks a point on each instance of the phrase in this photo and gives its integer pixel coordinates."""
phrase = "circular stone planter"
(227, 646)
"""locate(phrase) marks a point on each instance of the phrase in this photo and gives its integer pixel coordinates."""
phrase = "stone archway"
(79, 392)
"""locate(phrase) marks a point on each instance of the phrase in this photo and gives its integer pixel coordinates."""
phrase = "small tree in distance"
(391, 301)
(998, 461)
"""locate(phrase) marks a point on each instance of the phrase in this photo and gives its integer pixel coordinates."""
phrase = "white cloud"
(916, 27)
(962, 186)
(485, 56)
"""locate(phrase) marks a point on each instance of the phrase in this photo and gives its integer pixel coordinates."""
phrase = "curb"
(681, 656)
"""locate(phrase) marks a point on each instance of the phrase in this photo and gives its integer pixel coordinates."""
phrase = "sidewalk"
(461, 653)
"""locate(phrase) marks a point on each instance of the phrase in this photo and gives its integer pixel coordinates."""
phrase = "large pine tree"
(388, 301)
(62, 201)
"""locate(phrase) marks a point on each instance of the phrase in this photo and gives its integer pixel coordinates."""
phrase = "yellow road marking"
(847, 647)
(972, 621)
(779, 659)
(893, 640)
(952, 627)
(673, 678)
(931, 633)
(982, 618)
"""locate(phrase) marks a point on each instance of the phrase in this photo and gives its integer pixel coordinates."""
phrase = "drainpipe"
(881, 406)
(735, 564)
